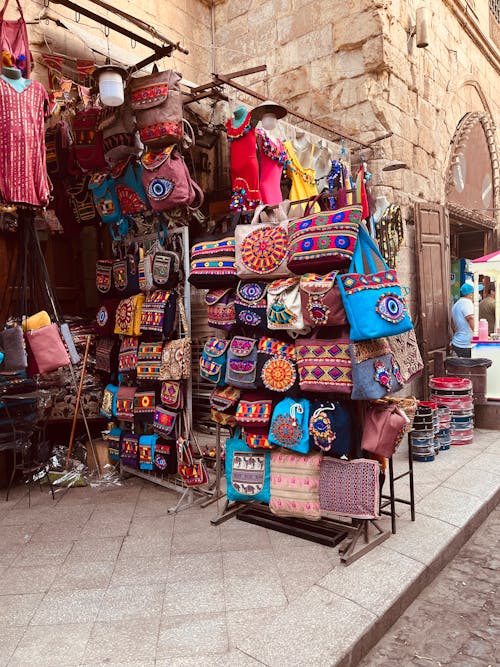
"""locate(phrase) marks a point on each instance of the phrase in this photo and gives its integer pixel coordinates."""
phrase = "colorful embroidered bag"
(149, 360)
(106, 355)
(128, 316)
(350, 488)
(165, 456)
(81, 201)
(145, 404)
(106, 201)
(248, 471)
(126, 273)
(114, 439)
(165, 268)
(213, 262)
(127, 177)
(164, 421)
(241, 368)
(127, 358)
(220, 308)
(373, 302)
(104, 275)
(284, 310)
(290, 425)
(125, 403)
(321, 302)
(330, 428)
(158, 312)
(323, 241)
(375, 371)
(254, 409)
(324, 365)
(251, 305)
(147, 446)
(276, 365)
(129, 451)
(295, 484)
(213, 360)
(405, 349)
(262, 246)
(223, 402)
(108, 404)
(176, 355)
(193, 472)
(171, 394)
(58, 142)
(384, 428)
(89, 145)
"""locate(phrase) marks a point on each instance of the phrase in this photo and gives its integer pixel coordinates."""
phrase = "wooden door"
(432, 245)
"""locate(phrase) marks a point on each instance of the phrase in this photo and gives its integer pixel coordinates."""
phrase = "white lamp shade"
(111, 88)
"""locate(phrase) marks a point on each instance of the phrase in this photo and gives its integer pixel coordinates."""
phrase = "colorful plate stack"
(444, 435)
(456, 395)
(422, 436)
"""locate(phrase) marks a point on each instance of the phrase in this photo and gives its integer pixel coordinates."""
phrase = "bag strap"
(183, 329)
(366, 249)
(2, 12)
(198, 192)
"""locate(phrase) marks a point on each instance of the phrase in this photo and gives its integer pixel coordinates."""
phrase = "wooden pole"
(78, 396)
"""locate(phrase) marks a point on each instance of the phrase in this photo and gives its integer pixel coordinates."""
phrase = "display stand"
(391, 500)
(216, 486)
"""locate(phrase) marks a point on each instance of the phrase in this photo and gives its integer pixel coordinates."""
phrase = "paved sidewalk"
(456, 620)
(107, 577)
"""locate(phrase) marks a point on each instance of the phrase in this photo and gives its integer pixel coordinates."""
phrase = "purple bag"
(220, 308)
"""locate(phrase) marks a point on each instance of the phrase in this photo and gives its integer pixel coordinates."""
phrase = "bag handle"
(183, 329)
(366, 249)
(18, 7)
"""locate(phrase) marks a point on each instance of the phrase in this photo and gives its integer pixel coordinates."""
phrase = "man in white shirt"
(462, 319)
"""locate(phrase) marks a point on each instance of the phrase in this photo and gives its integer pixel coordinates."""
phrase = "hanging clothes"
(244, 165)
(303, 179)
(272, 158)
(23, 170)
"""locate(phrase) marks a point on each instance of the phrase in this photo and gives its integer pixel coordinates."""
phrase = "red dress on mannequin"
(273, 158)
(244, 165)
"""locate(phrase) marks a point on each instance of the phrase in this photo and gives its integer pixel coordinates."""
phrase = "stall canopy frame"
(488, 265)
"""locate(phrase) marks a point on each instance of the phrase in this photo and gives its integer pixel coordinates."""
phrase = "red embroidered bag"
(89, 145)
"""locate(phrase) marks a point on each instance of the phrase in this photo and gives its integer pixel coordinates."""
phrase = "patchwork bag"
(321, 302)
(105, 317)
(128, 316)
(127, 358)
(248, 471)
(251, 305)
(384, 428)
(324, 365)
(149, 356)
(47, 348)
(295, 484)
(129, 451)
(276, 365)
(88, 140)
(106, 200)
(284, 311)
(373, 302)
(104, 275)
(290, 425)
(145, 404)
(213, 262)
(158, 312)
(125, 403)
(322, 241)
(165, 456)
(375, 371)
(171, 394)
(164, 421)
(213, 360)
(220, 308)
(108, 404)
(330, 428)
(350, 488)
(106, 355)
(241, 368)
(176, 355)
(262, 246)
(156, 101)
(147, 446)
(404, 348)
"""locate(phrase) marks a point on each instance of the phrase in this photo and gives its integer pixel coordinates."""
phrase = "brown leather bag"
(385, 426)
(321, 301)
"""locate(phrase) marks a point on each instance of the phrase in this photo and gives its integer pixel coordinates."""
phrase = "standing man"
(487, 308)
(462, 321)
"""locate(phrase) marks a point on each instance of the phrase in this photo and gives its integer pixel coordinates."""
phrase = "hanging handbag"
(350, 488)
(149, 361)
(58, 142)
(106, 355)
(12, 344)
(324, 365)
(375, 371)
(127, 358)
(104, 275)
(114, 439)
(213, 360)
(321, 302)
(295, 485)
(248, 471)
(147, 446)
(276, 365)
(47, 348)
(176, 355)
(284, 310)
(125, 403)
(404, 348)
(241, 367)
(106, 201)
(330, 428)
(290, 425)
(193, 472)
(164, 421)
(165, 268)
(220, 308)
(171, 394)
(165, 456)
(129, 450)
(323, 241)
(105, 317)
(223, 402)
(126, 273)
(81, 201)
(14, 40)
(213, 261)
(145, 269)
(108, 404)
(88, 140)
(384, 428)
(373, 302)
(251, 305)
(128, 316)
(145, 404)
(262, 246)
(127, 182)
(167, 181)
(156, 101)
(254, 409)
(118, 131)
(158, 312)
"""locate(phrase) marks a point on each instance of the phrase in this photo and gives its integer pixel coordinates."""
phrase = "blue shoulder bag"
(248, 471)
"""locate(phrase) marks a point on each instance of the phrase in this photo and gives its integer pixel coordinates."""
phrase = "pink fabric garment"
(14, 38)
(244, 165)
(23, 170)
(272, 157)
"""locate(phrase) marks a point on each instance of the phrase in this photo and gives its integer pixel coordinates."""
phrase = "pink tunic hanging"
(273, 158)
(244, 165)
(23, 170)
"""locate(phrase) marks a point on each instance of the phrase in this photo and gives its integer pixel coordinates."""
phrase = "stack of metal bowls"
(456, 395)
(444, 433)
(423, 434)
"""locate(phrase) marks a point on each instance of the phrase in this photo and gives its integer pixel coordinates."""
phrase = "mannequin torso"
(12, 76)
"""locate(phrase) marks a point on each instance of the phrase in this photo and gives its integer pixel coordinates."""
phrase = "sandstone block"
(291, 83)
(236, 8)
(352, 34)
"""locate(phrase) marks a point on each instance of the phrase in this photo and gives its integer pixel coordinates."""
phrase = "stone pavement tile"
(449, 505)
(146, 545)
(53, 532)
(77, 576)
(60, 607)
(155, 507)
(423, 539)
(480, 483)
(19, 580)
(196, 634)
(244, 624)
(9, 639)
(43, 553)
(18, 609)
(48, 646)
(21, 517)
(78, 495)
(140, 572)
(8, 553)
(95, 548)
(151, 525)
(489, 461)
(118, 642)
(231, 659)
(105, 526)
(245, 540)
(193, 543)
(254, 592)
(249, 563)
(375, 581)
(113, 511)
(202, 596)
(192, 523)
(192, 567)
(142, 663)
(20, 534)
(299, 573)
(315, 630)
(131, 602)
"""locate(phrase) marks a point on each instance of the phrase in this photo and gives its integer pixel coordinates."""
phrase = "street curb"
(380, 627)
